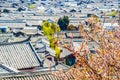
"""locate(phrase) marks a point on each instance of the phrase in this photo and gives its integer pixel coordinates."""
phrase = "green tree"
(6, 11)
(50, 30)
(63, 22)
(113, 13)
(32, 6)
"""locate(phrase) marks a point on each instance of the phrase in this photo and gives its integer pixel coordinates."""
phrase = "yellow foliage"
(58, 51)
(100, 70)
(113, 13)
(32, 6)
(95, 18)
(109, 32)
(58, 29)
(50, 30)
(81, 28)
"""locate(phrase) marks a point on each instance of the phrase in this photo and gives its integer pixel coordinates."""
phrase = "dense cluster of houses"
(25, 53)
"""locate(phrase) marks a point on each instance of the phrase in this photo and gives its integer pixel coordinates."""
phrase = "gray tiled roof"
(5, 37)
(13, 25)
(5, 69)
(19, 55)
(45, 75)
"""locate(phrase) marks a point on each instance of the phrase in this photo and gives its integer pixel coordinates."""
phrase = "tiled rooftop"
(45, 75)
(19, 56)
(5, 69)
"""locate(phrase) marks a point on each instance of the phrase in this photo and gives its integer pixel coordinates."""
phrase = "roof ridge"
(28, 73)
(10, 43)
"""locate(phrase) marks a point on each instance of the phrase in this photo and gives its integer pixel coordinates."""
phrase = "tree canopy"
(51, 30)
(63, 22)
(32, 6)
(6, 11)
(104, 64)
(113, 13)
